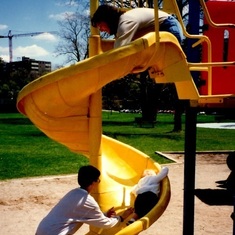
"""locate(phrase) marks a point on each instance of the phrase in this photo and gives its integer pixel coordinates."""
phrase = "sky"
(31, 16)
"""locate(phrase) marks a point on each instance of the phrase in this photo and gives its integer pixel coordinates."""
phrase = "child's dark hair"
(87, 175)
(108, 14)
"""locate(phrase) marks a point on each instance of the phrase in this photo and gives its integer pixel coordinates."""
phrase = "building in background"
(31, 65)
(15, 75)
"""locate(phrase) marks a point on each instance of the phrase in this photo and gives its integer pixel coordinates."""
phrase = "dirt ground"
(24, 202)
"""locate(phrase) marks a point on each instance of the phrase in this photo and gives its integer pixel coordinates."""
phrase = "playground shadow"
(214, 197)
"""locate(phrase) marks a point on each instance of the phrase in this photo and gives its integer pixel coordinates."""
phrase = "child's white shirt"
(150, 183)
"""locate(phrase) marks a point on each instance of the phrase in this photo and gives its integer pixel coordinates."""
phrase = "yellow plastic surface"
(122, 166)
(64, 105)
(60, 104)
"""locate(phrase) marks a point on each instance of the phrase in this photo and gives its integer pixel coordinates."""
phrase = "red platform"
(223, 47)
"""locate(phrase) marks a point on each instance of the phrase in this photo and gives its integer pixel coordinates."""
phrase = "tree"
(11, 82)
(74, 34)
(122, 94)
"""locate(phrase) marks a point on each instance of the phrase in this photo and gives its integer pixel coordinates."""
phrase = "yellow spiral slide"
(66, 106)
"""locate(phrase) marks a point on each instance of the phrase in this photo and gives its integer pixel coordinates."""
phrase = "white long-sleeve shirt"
(75, 208)
(135, 23)
(150, 183)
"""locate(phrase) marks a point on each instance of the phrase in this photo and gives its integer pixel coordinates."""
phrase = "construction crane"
(10, 36)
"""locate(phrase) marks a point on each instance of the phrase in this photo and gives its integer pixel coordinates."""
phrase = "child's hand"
(111, 212)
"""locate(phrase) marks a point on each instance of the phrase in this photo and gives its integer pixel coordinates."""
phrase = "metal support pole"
(189, 170)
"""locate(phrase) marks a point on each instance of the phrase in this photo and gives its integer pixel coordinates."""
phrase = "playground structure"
(66, 106)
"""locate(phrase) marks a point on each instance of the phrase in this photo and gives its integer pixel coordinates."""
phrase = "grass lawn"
(160, 138)
(25, 151)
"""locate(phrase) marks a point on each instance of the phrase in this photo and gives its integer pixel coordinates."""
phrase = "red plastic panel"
(223, 47)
